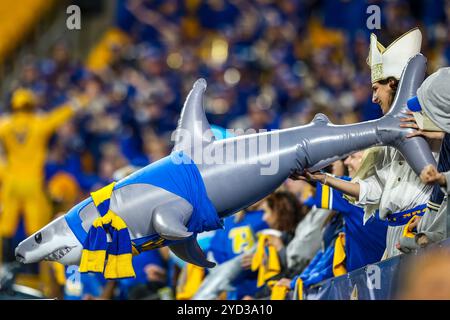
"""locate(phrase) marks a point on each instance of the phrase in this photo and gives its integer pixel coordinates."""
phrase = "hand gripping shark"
(169, 201)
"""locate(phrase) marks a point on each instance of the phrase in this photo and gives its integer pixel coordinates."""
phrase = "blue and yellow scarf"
(96, 249)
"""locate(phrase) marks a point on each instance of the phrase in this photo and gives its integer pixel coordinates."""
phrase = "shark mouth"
(58, 254)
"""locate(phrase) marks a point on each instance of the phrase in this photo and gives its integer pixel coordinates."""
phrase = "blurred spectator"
(282, 213)
(237, 237)
(434, 280)
(25, 135)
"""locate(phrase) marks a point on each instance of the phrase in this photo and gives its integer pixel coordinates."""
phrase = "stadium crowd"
(269, 65)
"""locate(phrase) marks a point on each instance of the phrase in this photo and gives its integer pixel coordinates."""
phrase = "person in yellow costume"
(24, 135)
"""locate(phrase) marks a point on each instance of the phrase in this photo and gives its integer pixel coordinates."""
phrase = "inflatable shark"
(169, 202)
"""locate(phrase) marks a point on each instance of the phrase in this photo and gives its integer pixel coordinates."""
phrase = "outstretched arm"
(61, 114)
(349, 188)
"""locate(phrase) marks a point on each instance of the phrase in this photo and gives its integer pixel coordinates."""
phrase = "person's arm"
(349, 188)
(57, 117)
(61, 114)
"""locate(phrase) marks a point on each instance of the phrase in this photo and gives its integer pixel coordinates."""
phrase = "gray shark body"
(242, 175)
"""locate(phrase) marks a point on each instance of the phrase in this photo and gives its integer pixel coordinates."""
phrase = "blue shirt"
(321, 266)
(364, 244)
(80, 284)
(236, 238)
(437, 195)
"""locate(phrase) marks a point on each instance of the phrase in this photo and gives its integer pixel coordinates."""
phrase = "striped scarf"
(96, 249)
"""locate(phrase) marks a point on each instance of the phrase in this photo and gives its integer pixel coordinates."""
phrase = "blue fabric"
(332, 230)
(103, 207)
(96, 239)
(310, 202)
(309, 268)
(365, 243)
(414, 104)
(402, 218)
(321, 269)
(443, 166)
(177, 174)
(80, 284)
(120, 243)
(321, 266)
(74, 221)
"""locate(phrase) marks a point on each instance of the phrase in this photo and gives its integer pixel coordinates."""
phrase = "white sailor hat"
(390, 61)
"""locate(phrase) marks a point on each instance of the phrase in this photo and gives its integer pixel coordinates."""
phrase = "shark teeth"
(58, 254)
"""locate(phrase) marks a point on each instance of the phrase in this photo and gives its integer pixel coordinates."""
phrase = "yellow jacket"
(25, 137)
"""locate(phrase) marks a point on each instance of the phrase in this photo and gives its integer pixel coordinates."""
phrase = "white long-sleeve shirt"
(392, 186)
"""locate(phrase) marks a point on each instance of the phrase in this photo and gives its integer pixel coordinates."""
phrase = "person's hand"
(276, 242)
(423, 240)
(155, 273)
(410, 122)
(284, 282)
(430, 175)
(310, 177)
(414, 224)
(246, 262)
(248, 298)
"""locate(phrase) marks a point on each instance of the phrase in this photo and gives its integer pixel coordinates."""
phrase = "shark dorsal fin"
(193, 127)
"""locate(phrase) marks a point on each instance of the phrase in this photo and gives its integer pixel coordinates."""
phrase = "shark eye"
(38, 238)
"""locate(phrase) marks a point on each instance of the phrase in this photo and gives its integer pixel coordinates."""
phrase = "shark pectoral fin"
(191, 252)
(170, 219)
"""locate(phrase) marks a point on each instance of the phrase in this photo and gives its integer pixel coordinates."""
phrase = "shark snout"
(54, 242)
(23, 253)
(19, 257)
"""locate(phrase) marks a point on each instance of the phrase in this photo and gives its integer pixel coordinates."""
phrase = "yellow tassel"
(194, 277)
(299, 287)
(273, 261)
(119, 266)
(279, 292)
(339, 256)
(60, 273)
(92, 261)
(258, 257)
(406, 232)
(102, 194)
(98, 222)
(116, 221)
(267, 266)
